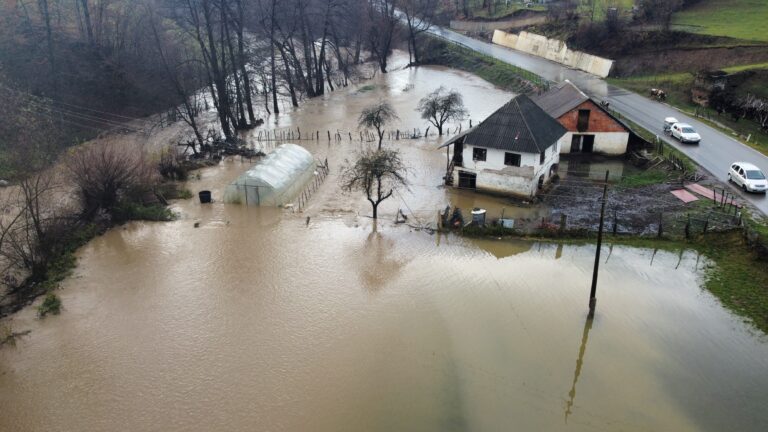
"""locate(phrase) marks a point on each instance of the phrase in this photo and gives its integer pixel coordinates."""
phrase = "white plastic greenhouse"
(276, 180)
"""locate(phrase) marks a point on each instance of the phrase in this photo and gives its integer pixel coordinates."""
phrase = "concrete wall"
(555, 50)
(495, 177)
(606, 143)
(478, 26)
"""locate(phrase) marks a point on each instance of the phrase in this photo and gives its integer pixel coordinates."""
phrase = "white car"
(685, 133)
(748, 177)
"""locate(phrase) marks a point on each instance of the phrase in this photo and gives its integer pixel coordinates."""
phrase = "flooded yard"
(260, 319)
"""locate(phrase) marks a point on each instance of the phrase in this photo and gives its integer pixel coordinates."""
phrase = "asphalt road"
(715, 153)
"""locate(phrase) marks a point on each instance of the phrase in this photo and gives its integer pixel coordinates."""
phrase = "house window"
(583, 123)
(512, 159)
(542, 157)
(478, 154)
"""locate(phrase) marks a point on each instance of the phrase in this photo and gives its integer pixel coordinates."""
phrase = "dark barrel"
(205, 197)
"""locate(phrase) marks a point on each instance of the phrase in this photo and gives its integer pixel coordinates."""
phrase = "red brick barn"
(591, 128)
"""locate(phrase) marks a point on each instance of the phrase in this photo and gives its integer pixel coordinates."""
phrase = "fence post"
(688, 227)
(615, 222)
(706, 224)
(661, 224)
(563, 221)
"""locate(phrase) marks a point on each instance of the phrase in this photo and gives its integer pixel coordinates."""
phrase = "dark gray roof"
(520, 126)
(560, 99)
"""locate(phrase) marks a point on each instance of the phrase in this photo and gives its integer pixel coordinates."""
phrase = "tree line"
(245, 59)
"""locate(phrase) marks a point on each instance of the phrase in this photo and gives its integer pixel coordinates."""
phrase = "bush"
(51, 304)
(105, 173)
(128, 211)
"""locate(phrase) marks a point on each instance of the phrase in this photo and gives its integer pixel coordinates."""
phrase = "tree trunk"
(219, 78)
(288, 77)
(49, 39)
(242, 62)
(241, 122)
(87, 17)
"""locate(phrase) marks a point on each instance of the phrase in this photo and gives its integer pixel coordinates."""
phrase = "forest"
(74, 68)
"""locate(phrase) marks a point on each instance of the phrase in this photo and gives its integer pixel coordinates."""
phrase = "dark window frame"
(508, 155)
(543, 157)
(479, 154)
(582, 121)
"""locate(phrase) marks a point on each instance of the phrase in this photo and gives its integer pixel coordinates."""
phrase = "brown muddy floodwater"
(260, 321)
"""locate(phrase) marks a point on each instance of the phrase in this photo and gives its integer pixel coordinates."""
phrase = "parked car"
(685, 133)
(748, 177)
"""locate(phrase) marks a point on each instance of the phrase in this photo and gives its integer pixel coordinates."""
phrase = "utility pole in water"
(593, 291)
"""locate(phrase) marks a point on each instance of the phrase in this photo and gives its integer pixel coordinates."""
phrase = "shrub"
(51, 304)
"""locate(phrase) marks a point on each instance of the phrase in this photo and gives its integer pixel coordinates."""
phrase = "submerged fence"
(276, 136)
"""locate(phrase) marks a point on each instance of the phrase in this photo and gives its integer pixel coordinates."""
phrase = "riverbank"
(503, 75)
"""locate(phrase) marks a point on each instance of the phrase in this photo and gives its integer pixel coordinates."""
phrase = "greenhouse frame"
(275, 180)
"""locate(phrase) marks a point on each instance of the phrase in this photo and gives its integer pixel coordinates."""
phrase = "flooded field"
(260, 319)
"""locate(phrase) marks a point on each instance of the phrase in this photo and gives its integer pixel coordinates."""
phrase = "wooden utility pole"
(593, 291)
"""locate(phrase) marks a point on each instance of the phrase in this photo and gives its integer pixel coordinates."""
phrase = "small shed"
(275, 180)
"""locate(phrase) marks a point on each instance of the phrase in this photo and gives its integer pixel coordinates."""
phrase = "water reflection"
(579, 364)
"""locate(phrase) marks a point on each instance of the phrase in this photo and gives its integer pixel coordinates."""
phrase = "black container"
(205, 197)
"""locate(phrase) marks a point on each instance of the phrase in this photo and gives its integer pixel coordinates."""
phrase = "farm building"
(591, 128)
(515, 151)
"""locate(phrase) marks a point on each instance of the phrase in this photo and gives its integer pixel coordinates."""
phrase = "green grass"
(742, 68)
(128, 211)
(644, 178)
(741, 19)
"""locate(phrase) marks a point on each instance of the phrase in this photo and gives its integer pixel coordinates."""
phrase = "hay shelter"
(275, 180)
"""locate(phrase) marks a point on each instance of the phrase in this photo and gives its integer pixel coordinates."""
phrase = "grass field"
(741, 19)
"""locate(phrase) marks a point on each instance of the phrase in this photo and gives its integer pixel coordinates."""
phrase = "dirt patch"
(635, 210)
(682, 60)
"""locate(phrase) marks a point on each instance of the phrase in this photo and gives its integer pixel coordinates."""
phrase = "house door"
(582, 144)
(576, 144)
(467, 180)
(588, 143)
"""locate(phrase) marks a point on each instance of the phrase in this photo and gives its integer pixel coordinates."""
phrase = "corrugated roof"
(560, 99)
(520, 126)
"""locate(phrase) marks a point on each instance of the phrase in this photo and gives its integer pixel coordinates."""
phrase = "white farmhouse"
(515, 151)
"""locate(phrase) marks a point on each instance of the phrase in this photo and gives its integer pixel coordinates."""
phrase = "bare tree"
(418, 14)
(756, 108)
(377, 116)
(441, 106)
(105, 173)
(382, 28)
(186, 80)
(377, 173)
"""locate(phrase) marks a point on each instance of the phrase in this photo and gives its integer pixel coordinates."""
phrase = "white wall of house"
(494, 176)
(607, 143)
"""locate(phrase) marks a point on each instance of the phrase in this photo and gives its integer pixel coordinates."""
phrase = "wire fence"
(273, 137)
(670, 225)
